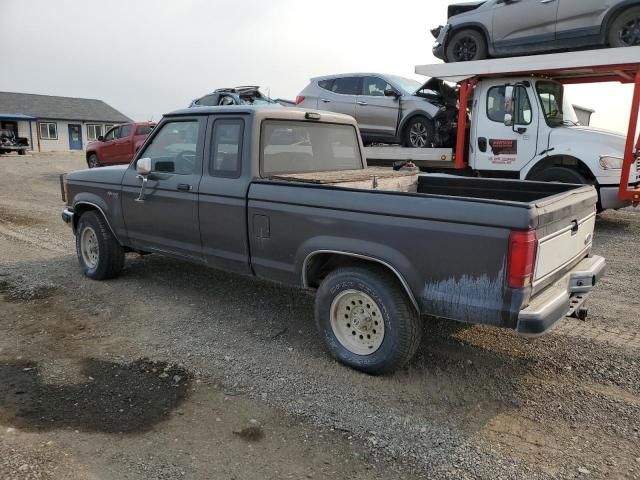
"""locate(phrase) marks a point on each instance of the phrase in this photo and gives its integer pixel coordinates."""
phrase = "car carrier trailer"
(518, 124)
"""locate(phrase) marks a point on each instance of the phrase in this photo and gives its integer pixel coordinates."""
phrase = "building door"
(75, 137)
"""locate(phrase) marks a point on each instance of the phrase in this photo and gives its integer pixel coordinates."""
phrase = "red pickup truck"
(119, 144)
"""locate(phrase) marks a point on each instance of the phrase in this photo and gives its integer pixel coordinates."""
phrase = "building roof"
(59, 108)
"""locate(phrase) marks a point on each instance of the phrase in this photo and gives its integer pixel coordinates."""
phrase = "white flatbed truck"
(519, 124)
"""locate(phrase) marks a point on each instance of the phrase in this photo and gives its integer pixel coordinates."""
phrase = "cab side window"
(125, 131)
(111, 134)
(375, 87)
(173, 149)
(226, 148)
(346, 86)
(495, 106)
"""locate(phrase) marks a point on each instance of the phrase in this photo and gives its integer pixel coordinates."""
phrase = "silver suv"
(388, 108)
(502, 28)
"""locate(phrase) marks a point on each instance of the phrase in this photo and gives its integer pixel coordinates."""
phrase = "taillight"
(299, 99)
(522, 258)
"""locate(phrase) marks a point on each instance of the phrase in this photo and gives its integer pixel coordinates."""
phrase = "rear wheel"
(92, 161)
(367, 320)
(418, 133)
(22, 152)
(467, 45)
(100, 255)
(625, 29)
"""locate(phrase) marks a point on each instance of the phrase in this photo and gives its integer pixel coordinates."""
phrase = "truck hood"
(604, 142)
(458, 8)
(112, 174)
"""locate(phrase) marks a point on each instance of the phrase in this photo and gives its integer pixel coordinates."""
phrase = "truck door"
(342, 97)
(377, 114)
(165, 218)
(223, 196)
(123, 145)
(529, 24)
(107, 152)
(497, 146)
(577, 20)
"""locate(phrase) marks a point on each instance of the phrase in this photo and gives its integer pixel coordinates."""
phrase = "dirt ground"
(176, 371)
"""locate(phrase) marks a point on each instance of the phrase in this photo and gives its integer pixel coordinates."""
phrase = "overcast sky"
(147, 57)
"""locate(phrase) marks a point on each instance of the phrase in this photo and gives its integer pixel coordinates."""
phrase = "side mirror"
(101, 138)
(390, 92)
(509, 105)
(143, 166)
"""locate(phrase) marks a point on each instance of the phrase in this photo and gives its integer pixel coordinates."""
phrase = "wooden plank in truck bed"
(385, 179)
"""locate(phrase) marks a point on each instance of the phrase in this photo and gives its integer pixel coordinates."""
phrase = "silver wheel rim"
(89, 247)
(92, 161)
(418, 135)
(357, 322)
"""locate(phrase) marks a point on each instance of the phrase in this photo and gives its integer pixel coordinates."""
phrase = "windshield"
(557, 109)
(406, 84)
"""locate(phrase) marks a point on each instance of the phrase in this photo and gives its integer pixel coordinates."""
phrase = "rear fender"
(396, 262)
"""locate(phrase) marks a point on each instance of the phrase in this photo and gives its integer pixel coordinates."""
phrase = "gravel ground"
(257, 396)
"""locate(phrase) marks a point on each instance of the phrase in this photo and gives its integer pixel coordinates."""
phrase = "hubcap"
(357, 322)
(630, 32)
(418, 135)
(89, 247)
(465, 49)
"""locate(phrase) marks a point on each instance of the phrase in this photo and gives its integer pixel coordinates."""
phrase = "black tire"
(109, 256)
(402, 330)
(625, 29)
(413, 137)
(22, 152)
(559, 174)
(467, 45)
(92, 161)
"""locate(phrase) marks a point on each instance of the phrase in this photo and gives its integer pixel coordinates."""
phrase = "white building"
(56, 123)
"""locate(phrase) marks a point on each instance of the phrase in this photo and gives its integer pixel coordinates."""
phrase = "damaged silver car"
(504, 28)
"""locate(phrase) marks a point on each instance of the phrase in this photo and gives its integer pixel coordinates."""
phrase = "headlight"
(611, 163)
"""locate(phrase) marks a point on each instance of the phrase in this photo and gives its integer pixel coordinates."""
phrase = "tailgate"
(565, 228)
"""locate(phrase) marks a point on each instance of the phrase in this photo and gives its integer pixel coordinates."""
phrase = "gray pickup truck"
(286, 195)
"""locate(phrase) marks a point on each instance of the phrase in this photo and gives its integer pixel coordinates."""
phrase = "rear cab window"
(296, 147)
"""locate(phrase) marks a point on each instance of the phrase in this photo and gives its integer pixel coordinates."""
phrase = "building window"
(93, 131)
(107, 128)
(48, 131)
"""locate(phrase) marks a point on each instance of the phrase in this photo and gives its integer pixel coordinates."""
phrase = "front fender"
(112, 213)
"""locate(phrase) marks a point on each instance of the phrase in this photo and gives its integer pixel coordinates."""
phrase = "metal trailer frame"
(591, 66)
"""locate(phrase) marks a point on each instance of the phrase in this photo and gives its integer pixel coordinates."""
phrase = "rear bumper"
(562, 299)
(439, 47)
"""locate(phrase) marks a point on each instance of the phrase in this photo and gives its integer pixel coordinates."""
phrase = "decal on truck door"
(504, 151)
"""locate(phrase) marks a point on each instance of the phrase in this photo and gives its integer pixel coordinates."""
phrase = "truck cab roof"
(266, 112)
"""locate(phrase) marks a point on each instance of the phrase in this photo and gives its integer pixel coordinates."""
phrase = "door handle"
(325, 100)
(547, 1)
(185, 187)
(362, 103)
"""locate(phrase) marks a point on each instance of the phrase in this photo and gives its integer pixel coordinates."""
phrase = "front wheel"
(92, 161)
(625, 29)
(100, 255)
(367, 320)
(467, 45)
(559, 174)
(418, 133)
